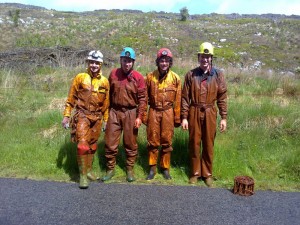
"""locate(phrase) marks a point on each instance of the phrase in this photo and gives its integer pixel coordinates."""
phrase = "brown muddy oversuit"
(90, 98)
(164, 97)
(199, 94)
(127, 95)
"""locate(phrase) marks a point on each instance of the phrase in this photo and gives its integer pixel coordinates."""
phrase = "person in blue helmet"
(127, 106)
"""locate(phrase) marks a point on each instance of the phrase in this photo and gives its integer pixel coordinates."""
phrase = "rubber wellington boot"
(82, 165)
(130, 176)
(109, 174)
(208, 181)
(152, 173)
(166, 174)
(90, 175)
(193, 180)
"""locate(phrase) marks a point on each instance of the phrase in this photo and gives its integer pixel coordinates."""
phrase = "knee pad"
(83, 148)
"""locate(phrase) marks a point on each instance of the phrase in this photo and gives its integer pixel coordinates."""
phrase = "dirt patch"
(51, 132)
(57, 103)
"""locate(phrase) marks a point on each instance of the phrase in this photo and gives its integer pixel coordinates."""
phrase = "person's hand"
(185, 124)
(104, 126)
(65, 122)
(223, 125)
(137, 123)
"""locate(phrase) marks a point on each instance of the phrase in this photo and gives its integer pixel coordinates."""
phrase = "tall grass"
(262, 139)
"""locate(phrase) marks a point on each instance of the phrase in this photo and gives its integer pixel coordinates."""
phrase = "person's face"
(94, 66)
(126, 64)
(204, 61)
(164, 64)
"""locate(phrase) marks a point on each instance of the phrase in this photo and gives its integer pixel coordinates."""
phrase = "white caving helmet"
(95, 56)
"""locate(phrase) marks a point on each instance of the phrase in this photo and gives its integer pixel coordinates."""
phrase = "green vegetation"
(184, 13)
(239, 40)
(15, 16)
(261, 141)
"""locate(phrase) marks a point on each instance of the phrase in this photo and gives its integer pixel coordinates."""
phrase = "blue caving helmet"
(128, 52)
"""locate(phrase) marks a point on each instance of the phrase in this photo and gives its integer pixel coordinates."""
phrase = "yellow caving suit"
(90, 98)
(164, 99)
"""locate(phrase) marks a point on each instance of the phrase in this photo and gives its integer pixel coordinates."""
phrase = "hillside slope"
(268, 41)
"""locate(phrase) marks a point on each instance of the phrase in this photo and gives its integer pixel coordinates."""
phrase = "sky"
(287, 7)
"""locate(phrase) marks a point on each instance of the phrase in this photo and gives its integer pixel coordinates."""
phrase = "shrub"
(184, 13)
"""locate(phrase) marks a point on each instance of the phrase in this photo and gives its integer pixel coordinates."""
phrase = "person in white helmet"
(89, 97)
(204, 91)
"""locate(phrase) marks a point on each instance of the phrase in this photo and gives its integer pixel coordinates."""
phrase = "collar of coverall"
(97, 76)
(162, 75)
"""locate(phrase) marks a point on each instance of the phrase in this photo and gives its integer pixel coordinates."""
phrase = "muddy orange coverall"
(90, 98)
(199, 94)
(164, 99)
(127, 96)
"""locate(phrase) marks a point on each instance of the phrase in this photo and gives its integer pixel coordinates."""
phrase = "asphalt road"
(27, 202)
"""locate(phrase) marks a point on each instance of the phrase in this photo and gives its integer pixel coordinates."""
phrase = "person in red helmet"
(164, 97)
(127, 105)
(203, 87)
(89, 96)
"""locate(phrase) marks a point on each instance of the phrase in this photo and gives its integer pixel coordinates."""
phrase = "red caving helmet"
(164, 52)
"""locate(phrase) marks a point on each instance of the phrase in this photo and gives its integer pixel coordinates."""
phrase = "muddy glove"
(66, 122)
(177, 124)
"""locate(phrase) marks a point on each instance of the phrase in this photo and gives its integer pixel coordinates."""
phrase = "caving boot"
(193, 180)
(152, 173)
(82, 165)
(130, 175)
(90, 175)
(166, 174)
(109, 174)
(208, 181)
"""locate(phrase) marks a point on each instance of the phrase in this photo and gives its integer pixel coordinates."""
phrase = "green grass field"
(37, 66)
(262, 140)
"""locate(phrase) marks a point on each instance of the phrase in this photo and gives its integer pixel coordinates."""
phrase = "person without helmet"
(203, 87)
(163, 96)
(89, 96)
(127, 95)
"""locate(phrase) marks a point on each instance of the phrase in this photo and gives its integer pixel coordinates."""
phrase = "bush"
(184, 13)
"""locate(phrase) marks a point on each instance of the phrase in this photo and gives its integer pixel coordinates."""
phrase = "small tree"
(184, 13)
(15, 17)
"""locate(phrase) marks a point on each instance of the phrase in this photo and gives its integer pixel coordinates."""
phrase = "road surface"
(29, 202)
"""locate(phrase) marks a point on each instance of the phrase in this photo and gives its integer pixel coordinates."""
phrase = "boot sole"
(106, 179)
(83, 187)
